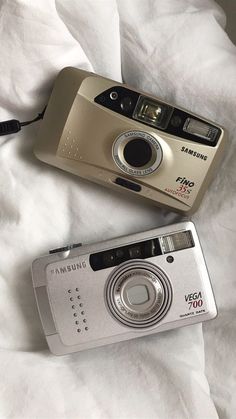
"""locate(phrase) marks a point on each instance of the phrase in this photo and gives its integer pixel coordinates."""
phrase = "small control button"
(138, 294)
(113, 95)
(127, 184)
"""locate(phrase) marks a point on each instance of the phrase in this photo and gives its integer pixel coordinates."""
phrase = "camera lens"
(138, 294)
(126, 104)
(137, 152)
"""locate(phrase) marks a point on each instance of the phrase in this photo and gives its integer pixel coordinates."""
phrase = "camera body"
(122, 138)
(132, 286)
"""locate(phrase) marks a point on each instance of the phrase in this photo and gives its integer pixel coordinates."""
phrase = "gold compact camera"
(108, 133)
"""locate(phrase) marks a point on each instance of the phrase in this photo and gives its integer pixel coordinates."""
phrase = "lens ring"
(147, 154)
(151, 314)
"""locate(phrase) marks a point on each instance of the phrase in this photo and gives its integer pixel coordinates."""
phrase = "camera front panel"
(153, 158)
(111, 294)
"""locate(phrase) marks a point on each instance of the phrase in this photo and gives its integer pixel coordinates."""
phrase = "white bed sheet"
(178, 50)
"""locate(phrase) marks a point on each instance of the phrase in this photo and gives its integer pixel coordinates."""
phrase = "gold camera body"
(128, 140)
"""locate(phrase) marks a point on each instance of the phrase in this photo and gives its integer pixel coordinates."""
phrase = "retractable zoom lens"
(137, 153)
(138, 294)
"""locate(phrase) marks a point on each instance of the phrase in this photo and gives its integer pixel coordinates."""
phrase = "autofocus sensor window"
(126, 104)
(137, 153)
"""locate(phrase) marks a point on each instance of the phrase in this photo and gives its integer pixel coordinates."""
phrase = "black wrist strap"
(13, 125)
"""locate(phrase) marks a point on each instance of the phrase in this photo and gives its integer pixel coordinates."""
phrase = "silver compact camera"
(121, 289)
(129, 141)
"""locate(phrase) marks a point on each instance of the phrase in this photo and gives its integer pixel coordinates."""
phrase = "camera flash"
(200, 129)
(176, 241)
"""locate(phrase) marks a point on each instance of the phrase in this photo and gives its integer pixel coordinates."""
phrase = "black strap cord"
(13, 125)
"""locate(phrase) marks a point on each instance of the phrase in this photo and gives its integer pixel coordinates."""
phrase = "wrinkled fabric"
(179, 51)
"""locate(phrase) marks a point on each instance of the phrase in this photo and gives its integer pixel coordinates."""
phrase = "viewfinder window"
(152, 112)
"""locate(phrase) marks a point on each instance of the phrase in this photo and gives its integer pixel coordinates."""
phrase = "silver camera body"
(132, 286)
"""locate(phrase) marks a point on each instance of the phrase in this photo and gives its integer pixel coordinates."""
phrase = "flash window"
(201, 129)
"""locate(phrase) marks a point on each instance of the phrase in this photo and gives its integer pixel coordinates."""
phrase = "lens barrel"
(138, 294)
(137, 153)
